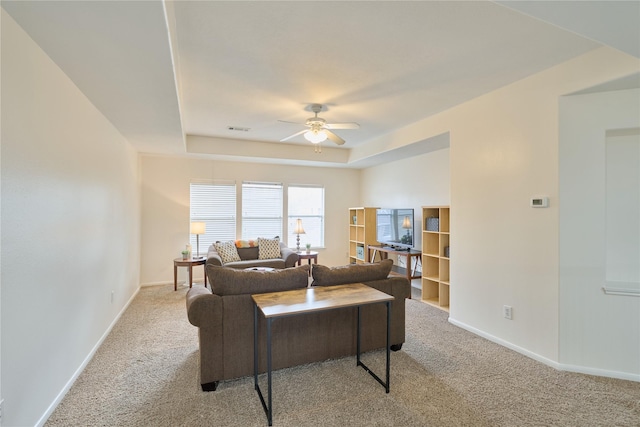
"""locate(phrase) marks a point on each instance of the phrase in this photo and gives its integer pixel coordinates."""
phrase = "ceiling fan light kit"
(319, 129)
(315, 136)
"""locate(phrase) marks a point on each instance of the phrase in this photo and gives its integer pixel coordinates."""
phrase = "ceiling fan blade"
(334, 138)
(293, 123)
(294, 135)
(342, 126)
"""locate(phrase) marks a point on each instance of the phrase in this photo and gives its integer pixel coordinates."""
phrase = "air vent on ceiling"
(238, 128)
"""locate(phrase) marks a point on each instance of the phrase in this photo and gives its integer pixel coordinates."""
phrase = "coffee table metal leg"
(255, 348)
(267, 406)
(384, 384)
(388, 343)
(358, 340)
(270, 412)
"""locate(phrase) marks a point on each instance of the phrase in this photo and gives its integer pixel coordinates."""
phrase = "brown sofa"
(249, 258)
(225, 319)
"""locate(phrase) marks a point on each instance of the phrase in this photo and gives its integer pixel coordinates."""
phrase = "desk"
(179, 262)
(273, 305)
(384, 251)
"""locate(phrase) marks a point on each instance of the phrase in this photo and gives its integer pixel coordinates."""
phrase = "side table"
(311, 255)
(179, 262)
(275, 305)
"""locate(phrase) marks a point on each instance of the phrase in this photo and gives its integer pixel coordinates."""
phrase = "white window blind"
(215, 205)
(307, 203)
(262, 207)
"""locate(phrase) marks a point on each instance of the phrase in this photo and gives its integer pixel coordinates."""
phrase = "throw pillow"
(268, 248)
(231, 281)
(227, 251)
(246, 243)
(352, 273)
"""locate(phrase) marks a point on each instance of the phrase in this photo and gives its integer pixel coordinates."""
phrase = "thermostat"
(539, 202)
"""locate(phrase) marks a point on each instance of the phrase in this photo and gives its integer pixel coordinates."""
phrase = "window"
(307, 203)
(262, 207)
(213, 203)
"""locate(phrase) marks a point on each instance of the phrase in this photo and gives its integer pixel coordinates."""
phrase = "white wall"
(503, 150)
(410, 183)
(598, 331)
(70, 229)
(165, 206)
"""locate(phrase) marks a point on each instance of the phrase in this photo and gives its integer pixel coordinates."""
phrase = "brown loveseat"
(249, 257)
(225, 319)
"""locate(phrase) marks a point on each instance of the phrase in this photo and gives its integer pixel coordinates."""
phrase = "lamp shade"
(198, 227)
(406, 223)
(299, 229)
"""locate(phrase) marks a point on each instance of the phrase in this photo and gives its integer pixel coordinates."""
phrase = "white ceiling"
(173, 76)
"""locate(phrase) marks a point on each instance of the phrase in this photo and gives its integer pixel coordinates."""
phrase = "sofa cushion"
(246, 254)
(229, 281)
(352, 273)
(227, 251)
(268, 248)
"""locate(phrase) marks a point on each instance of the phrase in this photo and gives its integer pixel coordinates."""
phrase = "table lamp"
(298, 231)
(198, 228)
(406, 224)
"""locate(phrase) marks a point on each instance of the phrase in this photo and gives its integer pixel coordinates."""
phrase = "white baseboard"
(83, 365)
(180, 284)
(506, 344)
(144, 285)
(556, 365)
(600, 372)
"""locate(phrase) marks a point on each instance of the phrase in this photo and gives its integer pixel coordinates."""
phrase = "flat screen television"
(394, 227)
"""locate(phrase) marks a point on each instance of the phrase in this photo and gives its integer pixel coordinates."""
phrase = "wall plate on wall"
(539, 202)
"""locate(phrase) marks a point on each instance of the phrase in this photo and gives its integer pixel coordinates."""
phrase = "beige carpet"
(146, 374)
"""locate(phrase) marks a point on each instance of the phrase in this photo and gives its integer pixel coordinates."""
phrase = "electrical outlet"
(507, 312)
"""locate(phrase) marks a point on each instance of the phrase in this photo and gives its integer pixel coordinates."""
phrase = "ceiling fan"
(319, 130)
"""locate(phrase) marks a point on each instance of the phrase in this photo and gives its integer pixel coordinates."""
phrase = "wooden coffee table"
(300, 301)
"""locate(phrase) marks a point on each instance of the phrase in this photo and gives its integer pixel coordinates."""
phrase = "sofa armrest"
(289, 256)
(213, 257)
(399, 287)
(204, 309)
(214, 260)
